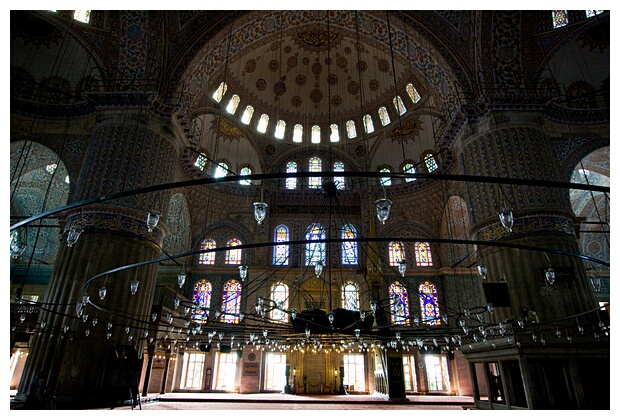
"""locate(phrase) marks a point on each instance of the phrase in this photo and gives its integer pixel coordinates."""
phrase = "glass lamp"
(260, 211)
(482, 270)
(402, 267)
(133, 286)
(383, 206)
(181, 277)
(102, 292)
(550, 275)
(152, 219)
(74, 233)
(243, 272)
(318, 268)
(507, 219)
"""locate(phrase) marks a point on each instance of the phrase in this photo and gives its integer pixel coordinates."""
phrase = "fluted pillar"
(125, 152)
(542, 218)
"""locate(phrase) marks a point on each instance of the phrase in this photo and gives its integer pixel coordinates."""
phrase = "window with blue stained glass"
(396, 252)
(339, 180)
(409, 169)
(231, 302)
(386, 181)
(315, 251)
(280, 252)
(291, 183)
(349, 249)
(351, 297)
(220, 170)
(314, 165)
(279, 295)
(245, 171)
(431, 163)
(429, 308)
(202, 300)
(590, 13)
(207, 257)
(399, 304)
(233, 256)
(201, 161)
(423, 256)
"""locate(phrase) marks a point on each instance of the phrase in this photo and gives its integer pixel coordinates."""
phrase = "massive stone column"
(125, 152)
(542, 218)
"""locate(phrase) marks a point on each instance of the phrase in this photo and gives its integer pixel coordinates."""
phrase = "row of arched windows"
(233, 256)
(560, 17)
(315, 131)
(398, 295)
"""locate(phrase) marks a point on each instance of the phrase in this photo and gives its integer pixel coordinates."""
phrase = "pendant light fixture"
(74, 232)
(318, 268)
(549, 272)
(243, 272)
(181, 276)
(133, 286)
(383, 206)
(402, 267)
(152, 219)
(506, 218)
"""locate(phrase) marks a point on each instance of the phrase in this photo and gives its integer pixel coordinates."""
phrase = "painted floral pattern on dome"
(373, 85)
(274, 65)
(336, 100)
(291, 62)
(332, 79)
(250, 65)
(300, 80)
(383, 64)
(296, 101)
(316, 95)
(353, 87)
(261, 84)
(361, 66)
(317, 68)
(342, 62)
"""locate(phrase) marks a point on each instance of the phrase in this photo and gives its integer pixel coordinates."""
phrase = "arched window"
(351, 132)
(316, 134)
(351, 296)
(202, 299)
(280, 127)
(413, 93)
(429, 308)
(207, 257)
(315, 251)
(262, 123)
(231, 301)
(291, 183)
(201, 161)
(280, 252)
(220, 92)
(560, 18)
(245, 171)
(298, 133)
(279, 295)
(423, 257)
(220, 170)
(386, 181)
(368, 126)
(314, 165)
(82, 16)
(233, 256)
(396, 252)
(409, 169)
(430, 162)
(384, 117)
(247, 114)
(334, 135)
(233, 104)
(349, 249)
(399, 105)
(399, 304)
(339, 180)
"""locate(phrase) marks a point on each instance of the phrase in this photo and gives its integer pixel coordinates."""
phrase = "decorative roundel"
(336, 100)
(270, 149)
(384, 66)
(250, 65)
(287, 49)
(251, 357)
(291, 62)
(328, 61)
(353, 87)
(305, 60)
(296, 101)
(274, 45)
(274, 65)
(316, 96)
(360, 151)
(361, 66)
(317, 68)
(332, 79)
(300, 80)
(374, 84)
(347, 50)
(342, 62)
(261, 84)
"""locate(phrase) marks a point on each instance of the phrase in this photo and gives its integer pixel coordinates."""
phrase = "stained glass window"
(431, 163)
(315, 251)
(590, 13)
(314, 165)
(245, 171)
(386, 181)
(368, 126)
(291, 183)
(334, 135)
(298, 133)
(280, 252)
(339, 180)
(233, 104)
(207, 257)
(220, 92)
(220, 170)
(280, 127)
(423, 257)
(349, 249)
(247, 114)
(409, 169)
(384, 116)
(201, 161)
(399, 304)
(429, 308)
(51, 168)
(233, 256)
(396, 252)
(351, 132)
(413, 93)
(82, 15)
(560, 18)
(279, 295)
(399, 105)
(262, 123)
(316, 134)
(202, 299)
(351, 297)
(231, 301)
